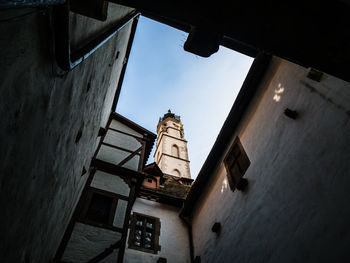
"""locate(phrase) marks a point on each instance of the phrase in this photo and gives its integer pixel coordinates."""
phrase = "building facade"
(292, 127)
(157, 233)
(275, 186)
(98, 229)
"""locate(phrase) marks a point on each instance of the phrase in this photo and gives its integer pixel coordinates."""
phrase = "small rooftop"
(173, 190)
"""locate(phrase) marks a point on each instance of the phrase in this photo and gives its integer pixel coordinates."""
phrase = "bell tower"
(171, 148)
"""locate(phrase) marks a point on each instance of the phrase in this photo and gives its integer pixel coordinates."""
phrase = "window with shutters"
(144, 233)
(236, 163)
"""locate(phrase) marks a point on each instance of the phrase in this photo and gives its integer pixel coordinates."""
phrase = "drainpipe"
(188, 223)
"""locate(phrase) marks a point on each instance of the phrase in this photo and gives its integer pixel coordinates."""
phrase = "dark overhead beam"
(310, 33)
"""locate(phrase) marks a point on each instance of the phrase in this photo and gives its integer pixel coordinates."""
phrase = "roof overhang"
(310, 33)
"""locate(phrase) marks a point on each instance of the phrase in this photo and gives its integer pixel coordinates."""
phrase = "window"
(144, 233)
(149, 180)
(236, 163)
(104, 209)
(176, 172)
(99, 208)
(175, 151)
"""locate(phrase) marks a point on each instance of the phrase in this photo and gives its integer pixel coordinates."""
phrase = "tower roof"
(169, 115)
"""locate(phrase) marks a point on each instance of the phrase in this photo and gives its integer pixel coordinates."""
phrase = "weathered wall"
(168, 164)
(122, 127)
(115, 155)
(96, 240)
(173, 237)
(42, 113)
(296, 206)
(110, 183)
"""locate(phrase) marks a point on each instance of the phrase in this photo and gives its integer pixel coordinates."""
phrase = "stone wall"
(50, 120)
(296, 206)
(163, 155)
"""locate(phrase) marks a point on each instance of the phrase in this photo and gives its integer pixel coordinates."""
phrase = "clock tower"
(171, 148)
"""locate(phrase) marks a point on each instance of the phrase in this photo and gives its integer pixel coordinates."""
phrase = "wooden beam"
(117, 147)
(105, 253)
(128, 158)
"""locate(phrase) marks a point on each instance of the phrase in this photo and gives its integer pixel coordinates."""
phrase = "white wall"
(173, 237)
(122, 127)
(115, 156)
(110, 183)
(169, 163)
(296, 206)
(95, 241)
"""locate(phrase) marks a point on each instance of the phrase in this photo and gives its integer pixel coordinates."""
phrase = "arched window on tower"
(176, 172)
(175, 151)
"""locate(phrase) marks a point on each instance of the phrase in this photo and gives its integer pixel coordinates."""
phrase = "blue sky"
(160, 75)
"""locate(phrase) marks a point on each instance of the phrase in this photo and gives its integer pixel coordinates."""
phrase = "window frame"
(236, 163)
(109, 210)
(156, 233)
(83, 218)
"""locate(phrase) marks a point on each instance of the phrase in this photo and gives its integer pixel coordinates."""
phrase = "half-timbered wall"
(121, 146)
(111, 183)
(96, 241)
(89, 238)
(98, 229)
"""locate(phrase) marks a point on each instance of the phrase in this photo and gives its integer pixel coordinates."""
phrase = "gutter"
(188, 224)
(68, 59)
(227, 133)
(126, 59)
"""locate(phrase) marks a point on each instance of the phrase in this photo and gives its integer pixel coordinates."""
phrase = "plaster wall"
(173, 237)
(168, 142)
(122, 127)
(44, 111)
(296, 206)
(96, 240)
(115, 156)
(110, 183)
(173, 132)
(168, 164)
(122, 140)
(126, 142)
